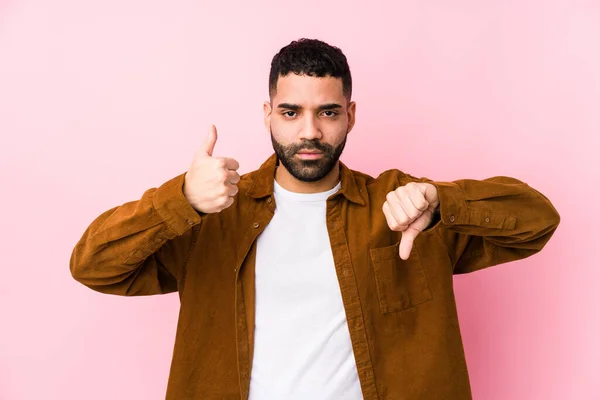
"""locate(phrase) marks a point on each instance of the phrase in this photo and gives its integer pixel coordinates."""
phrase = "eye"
(331, 113)
(287, 114)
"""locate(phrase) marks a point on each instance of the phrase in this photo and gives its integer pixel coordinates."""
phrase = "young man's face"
(309, 114)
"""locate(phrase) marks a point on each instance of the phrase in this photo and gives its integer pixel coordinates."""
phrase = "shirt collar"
(262, 182)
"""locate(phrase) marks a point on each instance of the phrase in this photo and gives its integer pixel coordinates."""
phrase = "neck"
(289, 182)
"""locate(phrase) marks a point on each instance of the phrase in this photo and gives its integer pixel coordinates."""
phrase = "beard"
(308, 170)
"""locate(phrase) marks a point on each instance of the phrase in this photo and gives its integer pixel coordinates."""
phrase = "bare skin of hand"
(409, 209)
(211, 182)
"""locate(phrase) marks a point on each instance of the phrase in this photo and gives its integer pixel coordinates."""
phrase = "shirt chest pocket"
(401, 284)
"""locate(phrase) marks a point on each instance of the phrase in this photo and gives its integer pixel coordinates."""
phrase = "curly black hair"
(311, 57)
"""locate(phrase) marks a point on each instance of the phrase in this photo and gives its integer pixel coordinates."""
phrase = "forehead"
(308, 90)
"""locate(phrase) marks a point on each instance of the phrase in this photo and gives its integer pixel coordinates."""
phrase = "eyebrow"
(296, 107)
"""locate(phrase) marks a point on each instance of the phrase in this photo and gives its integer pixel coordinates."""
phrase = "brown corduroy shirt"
(401, 314)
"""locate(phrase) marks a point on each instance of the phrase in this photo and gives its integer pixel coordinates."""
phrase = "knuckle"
(227, 202)
(222, 176)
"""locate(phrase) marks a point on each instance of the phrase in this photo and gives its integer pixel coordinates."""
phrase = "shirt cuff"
(454, 209)
(453, 206)
(173, 207)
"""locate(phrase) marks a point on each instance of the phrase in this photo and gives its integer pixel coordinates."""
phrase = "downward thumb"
(406, 243)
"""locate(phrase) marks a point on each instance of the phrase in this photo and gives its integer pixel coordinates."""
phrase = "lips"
(310, 156)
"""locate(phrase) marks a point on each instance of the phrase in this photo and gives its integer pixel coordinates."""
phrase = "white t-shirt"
(302, 346)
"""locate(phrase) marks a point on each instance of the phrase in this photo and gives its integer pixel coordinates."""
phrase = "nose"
(310, 129)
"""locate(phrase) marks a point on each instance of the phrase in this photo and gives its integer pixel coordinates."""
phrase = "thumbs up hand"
(409, 209)
(211, 182)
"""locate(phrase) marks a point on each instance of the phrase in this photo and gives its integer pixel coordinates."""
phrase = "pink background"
(101, 100)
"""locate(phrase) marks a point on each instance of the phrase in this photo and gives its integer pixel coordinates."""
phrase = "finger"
(231, 164)
(232, 190)
(395, 207)
(416, 195)
(210, 140)
(391, 219)
(406, 242)
(431, 195)
(233, 177)
(409, 200)
(422, 221)
(392, 223)
(227, 203)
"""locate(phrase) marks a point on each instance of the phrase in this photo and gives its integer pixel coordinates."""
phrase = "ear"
(267, 114)
(351, 115)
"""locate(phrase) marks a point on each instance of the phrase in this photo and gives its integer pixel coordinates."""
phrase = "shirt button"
(487, 219)
(452, 218)
(269, 200)
(346, 272)
(158, 239)
(256, 224)
(189, 221)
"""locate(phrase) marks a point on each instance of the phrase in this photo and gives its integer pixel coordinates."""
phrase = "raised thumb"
(209, 142)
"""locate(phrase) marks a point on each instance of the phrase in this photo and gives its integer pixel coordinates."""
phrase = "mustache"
(306, 145)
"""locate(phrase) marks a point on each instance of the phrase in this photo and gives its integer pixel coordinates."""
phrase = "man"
(305, 279)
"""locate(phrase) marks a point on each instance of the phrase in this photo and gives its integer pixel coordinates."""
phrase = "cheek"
(283, 131)
(336, 134)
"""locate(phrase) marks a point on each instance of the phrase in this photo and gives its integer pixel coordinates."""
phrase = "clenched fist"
(409, 209)
(211, 182)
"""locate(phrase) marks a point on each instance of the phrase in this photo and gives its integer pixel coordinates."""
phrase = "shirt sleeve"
(492, 221)
(140, 247)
